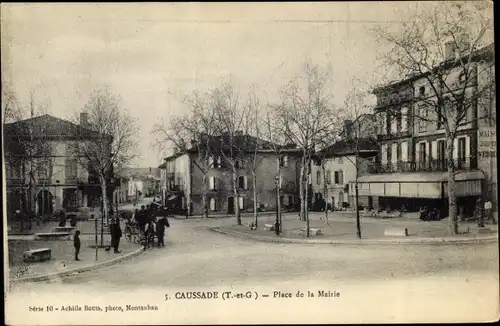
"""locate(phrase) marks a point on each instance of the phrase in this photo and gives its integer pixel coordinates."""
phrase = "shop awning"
(419, 185)
(420, 177)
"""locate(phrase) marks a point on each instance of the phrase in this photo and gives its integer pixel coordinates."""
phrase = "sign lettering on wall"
(487, 144)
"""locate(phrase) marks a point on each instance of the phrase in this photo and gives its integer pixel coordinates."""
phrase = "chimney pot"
(84, 118)
(449, 50)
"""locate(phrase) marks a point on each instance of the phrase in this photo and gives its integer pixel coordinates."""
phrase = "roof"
(46, 125)
(348, 147)
(246, 143)
(487, 50)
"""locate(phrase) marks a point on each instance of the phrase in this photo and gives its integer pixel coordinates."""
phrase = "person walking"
(76, 244)
(160, 230)
(117, 234)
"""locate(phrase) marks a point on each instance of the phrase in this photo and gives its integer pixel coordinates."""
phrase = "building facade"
(412, 168)
(52, 179)
(335, 172)
(185, 177)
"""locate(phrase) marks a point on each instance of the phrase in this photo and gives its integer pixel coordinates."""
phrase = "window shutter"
(285, 161)
(211, 183)
(404, 151)
(434, 150)
(241, 202)
(281, 181)
(341, 177)
(455, 148)
(245, 180)
(384, 153)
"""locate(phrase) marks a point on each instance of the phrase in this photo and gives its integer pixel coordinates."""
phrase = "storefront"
(415, 190)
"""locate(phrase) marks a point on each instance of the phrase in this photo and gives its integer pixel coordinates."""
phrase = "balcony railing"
(392, 135)
(422, 166)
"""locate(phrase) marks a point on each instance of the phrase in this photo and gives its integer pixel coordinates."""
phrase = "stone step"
(53, 236)
(396, 232)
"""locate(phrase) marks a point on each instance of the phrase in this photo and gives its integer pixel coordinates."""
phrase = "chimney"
(348, 124)
(449, 50)
(463, 43)
(84, 118)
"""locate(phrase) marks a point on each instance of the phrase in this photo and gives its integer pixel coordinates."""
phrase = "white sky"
(153, 55)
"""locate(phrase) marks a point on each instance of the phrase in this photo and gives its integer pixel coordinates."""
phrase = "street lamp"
(277, 223)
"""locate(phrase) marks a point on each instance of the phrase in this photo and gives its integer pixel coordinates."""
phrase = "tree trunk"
(104, 207)
(301, 191)
(452, 199)
(204, 196)
(358, 222)
(278, 194)
(255, 207)
(306, 206)
(325, 193)
(236, 197)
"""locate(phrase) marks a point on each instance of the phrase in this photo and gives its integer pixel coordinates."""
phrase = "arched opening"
(44, 201)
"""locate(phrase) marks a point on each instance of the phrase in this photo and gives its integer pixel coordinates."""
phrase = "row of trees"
(440, 47)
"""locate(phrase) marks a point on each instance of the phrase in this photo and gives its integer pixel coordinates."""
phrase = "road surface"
(397, 282)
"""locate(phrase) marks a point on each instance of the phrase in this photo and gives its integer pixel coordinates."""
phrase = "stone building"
(45, 176)
(412, 168)
(183, 174)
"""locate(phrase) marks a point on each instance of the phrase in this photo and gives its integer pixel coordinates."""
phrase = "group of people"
(151, 220)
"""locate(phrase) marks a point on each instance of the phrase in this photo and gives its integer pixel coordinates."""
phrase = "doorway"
(44, 201)
(370, 202)
(230, 205)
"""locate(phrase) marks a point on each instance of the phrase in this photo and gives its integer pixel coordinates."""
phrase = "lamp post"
(277, 223)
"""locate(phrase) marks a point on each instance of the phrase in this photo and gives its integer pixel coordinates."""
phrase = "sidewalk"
(342, 228)
(62, 257)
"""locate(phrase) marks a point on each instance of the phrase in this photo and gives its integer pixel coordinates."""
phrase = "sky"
(153, 55)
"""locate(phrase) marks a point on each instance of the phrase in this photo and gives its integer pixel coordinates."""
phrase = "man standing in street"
(116, 235)
(76, 244)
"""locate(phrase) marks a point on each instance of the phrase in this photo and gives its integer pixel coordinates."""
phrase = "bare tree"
(255, 108)
(28, 149)
(306, 116)
(196, 130)
(444, 48)
(359, 137)
(106, 140)
(235, 123)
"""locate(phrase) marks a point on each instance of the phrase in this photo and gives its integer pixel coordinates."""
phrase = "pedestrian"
(160, 231)
(76, 244)
(117, 234)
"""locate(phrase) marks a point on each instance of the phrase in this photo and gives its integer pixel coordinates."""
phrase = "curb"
(420, 241)
(47, 277)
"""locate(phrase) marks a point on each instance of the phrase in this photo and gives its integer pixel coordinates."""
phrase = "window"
(336, 177)
(404, 119)
(215, 161)
(284, 161)
(71, 169)
(422, 123)
(421, 91)
(422, 153)
(318, 177)
(43, 170)
(394, 123)
(328, 177)
(213, 204)
(242, 182)
(441, 150)
(384, 123)
(461, 152)
(211, 183)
